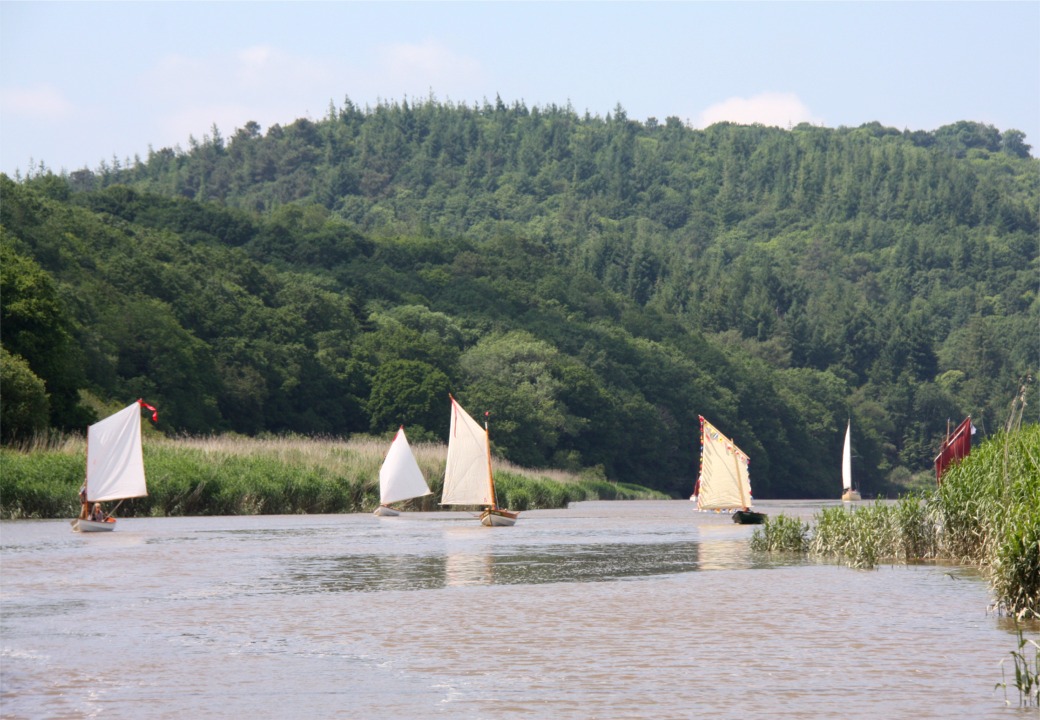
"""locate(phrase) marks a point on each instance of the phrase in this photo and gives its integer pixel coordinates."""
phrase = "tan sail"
(467, 474)
(723, 483)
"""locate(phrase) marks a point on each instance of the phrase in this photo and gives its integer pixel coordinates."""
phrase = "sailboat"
(467, 475)
(399, 477)
(955, 447)
(723, 482)
(115, 465)
(848, 494)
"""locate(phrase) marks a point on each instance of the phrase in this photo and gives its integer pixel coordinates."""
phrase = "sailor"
(97, 515)
(84, 506)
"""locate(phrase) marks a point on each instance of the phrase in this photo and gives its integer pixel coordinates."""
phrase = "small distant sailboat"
(723, 482)
(115, 465)
(399, 477)
(467, 475)
(848, 494)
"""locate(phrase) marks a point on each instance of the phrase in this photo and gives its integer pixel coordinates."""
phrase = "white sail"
(115, 467)
(846, 460)
(400, 477)
(467, 474)
(723, 483)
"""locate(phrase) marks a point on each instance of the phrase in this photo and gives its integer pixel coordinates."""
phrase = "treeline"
(594, 283)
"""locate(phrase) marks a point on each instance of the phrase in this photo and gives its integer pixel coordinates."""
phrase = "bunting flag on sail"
(955, 448)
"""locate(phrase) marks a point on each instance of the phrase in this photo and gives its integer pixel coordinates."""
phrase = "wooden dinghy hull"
(850, 496)
(93, 525)
(385, 511)
(496, 517)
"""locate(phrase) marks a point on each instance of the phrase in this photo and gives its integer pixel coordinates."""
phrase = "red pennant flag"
(155, 413)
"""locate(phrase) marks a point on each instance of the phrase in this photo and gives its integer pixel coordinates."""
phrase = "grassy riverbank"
(986, 513)
(230, 475)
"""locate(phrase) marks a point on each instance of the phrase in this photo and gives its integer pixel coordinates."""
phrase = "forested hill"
(595, 283)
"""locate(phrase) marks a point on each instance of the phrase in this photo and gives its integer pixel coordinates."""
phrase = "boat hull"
(850, 495)
(497, 517)
(386, 511)
(748, 517)
(93, 525)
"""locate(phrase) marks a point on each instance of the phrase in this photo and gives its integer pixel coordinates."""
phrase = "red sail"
(955, 448)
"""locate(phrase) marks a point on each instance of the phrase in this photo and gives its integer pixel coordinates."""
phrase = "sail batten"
(467, 473)
(400, 477)
(115, 464)
(723, 483)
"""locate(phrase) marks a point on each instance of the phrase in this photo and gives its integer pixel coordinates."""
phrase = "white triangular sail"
(846, 459)
(467, 474)
(723, 483)
(400, 477)
(115, 466)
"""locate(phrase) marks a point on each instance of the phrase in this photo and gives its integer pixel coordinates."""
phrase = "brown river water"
(604, 610)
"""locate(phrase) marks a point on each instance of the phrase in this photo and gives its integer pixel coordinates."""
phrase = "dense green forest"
(594, 283)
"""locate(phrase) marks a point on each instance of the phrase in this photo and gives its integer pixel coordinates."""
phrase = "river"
(642, 609)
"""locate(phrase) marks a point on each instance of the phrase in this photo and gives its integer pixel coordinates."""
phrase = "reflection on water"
(545, 564)
(464, 569)
(611, 610)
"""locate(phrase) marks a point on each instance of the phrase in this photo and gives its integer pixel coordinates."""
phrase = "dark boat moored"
(748, 517)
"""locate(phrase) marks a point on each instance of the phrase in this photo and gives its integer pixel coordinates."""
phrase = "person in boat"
(97, 515)
(84, 506)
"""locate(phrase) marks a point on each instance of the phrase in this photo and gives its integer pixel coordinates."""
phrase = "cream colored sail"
(400, 477)
(846, 460)
(115, 466)
(467, 474)
(723, 483)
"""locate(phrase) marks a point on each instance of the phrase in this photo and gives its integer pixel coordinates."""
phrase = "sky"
(83, 83)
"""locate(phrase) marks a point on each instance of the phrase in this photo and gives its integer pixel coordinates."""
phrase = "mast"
(736, 468)
(491, 477)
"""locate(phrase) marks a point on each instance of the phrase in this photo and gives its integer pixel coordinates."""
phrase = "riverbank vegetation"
(234, 475)
(986, 513)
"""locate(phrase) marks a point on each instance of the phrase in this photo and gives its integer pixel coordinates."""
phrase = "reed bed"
(986, 513)
(234, 475)
(781, 534)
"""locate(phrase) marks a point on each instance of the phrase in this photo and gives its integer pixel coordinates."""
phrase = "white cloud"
(428, 65)
(188, 95)
(41, 102)
(771, 109)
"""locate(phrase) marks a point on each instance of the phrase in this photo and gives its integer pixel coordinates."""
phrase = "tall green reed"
(232, 475)
(986, 513)
(1027, 672)
(781, 534)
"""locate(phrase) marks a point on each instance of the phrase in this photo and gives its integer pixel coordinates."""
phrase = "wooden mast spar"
(491, 475)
